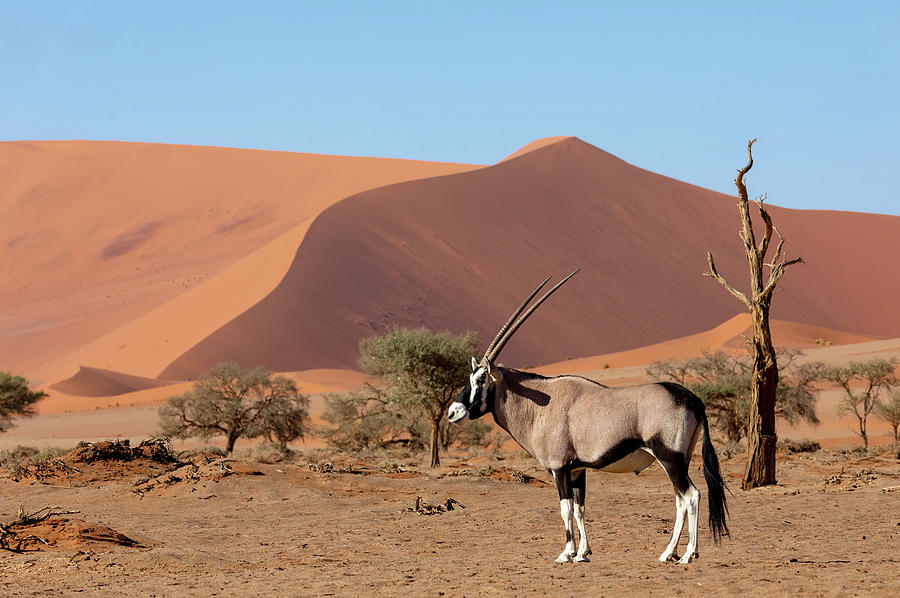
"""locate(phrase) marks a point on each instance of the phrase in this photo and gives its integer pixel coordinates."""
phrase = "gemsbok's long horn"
(496, 347)
(512, 318)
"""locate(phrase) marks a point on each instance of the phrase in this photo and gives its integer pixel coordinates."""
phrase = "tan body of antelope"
(570, 424)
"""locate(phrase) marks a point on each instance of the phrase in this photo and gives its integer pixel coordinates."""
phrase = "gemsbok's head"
(477, 397)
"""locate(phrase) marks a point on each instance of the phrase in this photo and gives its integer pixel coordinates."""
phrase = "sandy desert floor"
(827, 529)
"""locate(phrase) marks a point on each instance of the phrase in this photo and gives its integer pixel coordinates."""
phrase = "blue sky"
(674, 87)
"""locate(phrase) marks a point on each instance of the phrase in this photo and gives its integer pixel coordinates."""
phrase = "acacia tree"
(421, 371)
(724, 382)
(872, 378)
(238, 403)
(761, 437)
(16, 399)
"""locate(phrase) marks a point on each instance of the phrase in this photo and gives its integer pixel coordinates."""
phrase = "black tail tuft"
(718, 507)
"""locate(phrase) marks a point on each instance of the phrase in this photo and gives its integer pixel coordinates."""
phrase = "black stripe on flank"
(616, 453)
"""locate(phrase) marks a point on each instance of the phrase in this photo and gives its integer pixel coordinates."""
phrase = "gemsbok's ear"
(490, 371)
(474, 364)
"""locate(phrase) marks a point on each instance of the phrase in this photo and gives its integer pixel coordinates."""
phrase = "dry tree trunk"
(435, 432)
(761, 435)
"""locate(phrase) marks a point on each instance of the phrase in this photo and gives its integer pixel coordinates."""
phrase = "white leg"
(680, 508)
(565, 509)
(584, 549)
(692, 498)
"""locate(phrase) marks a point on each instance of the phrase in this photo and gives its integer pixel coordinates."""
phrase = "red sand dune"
(173, 258)
(97, 234)
(459, 251)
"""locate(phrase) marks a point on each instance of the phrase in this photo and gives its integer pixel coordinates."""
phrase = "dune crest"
(537, 144)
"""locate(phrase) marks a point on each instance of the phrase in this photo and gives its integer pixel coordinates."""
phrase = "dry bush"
(24, 460)
(267, 453)
(730, 448)
(850, 451)
(365, 419)
(158, 450)
(204, 452)
(368, 421)
(89, 462)
(804, 445)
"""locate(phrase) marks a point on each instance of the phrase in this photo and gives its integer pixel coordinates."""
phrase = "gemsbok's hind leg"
(669, 553)
(692, 498)
(564, 487)
(687, 505)
(578, 488)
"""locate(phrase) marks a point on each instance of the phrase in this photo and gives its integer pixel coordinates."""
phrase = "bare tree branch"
(740, 177)
(776, 274)
(764, 214)
(747, 226)
(713, 273)
(777, 249)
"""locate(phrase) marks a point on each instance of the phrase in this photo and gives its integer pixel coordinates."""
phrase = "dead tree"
(761, 437)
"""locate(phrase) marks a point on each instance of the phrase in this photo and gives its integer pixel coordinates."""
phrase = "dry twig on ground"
(11, 539)
(423, 508)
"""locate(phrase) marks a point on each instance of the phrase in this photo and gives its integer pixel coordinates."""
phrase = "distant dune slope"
(730, 335)
(97, 234)
(460, 251)
(93, 382)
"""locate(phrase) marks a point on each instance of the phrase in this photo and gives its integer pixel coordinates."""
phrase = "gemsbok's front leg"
(566, 510)
(578, 488)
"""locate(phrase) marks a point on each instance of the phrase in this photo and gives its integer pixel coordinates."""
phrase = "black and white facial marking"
(476, 398)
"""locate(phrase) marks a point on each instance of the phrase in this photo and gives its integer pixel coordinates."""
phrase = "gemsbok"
(570, 423)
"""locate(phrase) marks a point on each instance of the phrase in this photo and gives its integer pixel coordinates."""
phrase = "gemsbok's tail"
(718, 507)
